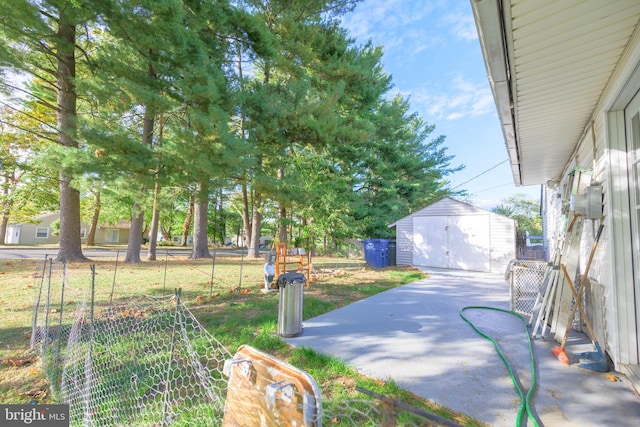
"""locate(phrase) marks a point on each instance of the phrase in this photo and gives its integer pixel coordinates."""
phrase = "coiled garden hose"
(525, 401)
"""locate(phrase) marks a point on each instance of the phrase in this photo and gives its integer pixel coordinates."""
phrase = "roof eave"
(489, 21)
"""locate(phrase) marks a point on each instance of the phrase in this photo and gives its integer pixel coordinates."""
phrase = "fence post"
(164, 282)
(36, 308)
(213, 266)
(241, 266)
(167, 385)
(59, 331)
(46, 316)
(88, 363)
(113, 285)
(388, 414)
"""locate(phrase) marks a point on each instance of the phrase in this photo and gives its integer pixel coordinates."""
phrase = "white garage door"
(456, 242)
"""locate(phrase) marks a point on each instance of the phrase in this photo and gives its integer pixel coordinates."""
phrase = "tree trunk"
(220, 224)
(186, 225)
(155, 220)
(155, 215)
(215, 219)
(282, 210)
(256, 222)
(166, 233)
(70, 247)
(91, 237)
(201, 212)
(6, 209)
(4, 223)
(137, 216)
(246, 232)
(303, 232)
(290, 221)
(135, 235)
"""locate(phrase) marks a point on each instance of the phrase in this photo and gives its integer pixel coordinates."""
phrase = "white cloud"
(461, 99)
(461, 26)
(394, 24)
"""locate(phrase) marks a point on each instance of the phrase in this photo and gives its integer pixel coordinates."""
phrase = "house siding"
(27, 232)
(404, 241)
(448, 206)
(552, 218)
(503, 242)
(610, 300)
(598, 296)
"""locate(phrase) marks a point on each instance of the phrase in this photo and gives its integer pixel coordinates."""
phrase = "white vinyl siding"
(502, 243)
(404, 241)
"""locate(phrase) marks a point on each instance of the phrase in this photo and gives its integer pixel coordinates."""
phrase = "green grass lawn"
(231, 308)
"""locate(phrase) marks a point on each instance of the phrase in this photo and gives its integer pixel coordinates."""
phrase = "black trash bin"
(392, 253)
(376, 252)
(291, 287)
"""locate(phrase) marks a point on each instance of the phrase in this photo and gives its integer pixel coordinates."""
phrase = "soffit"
(559, 57)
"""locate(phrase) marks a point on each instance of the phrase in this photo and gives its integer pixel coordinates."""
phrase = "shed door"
(469, 243)
(430, 241)
(457, 242)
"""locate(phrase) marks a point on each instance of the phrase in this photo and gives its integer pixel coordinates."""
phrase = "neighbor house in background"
(565, 77)
(42, 231)
(456, 235)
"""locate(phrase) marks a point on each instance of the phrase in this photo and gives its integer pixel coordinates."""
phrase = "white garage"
(456, 235)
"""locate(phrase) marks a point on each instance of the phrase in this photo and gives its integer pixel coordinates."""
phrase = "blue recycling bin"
(376, 252)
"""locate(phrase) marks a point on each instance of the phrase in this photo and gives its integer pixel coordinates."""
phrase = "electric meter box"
(593, 201)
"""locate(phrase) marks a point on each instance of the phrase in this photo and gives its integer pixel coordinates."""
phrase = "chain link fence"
(120, 357)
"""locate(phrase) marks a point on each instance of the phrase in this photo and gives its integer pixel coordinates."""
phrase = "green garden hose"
(525, 401)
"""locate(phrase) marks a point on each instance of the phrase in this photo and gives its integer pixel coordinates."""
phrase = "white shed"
(456, 235)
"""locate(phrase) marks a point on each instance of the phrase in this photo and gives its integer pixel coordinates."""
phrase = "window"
(83, 233)
(112, 236)
(42, 232)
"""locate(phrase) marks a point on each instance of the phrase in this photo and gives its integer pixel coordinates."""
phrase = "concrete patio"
(415, 336)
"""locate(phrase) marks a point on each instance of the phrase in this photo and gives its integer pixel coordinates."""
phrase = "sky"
(433, 54)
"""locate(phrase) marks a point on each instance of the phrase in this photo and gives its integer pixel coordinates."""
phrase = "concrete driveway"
(415, 336)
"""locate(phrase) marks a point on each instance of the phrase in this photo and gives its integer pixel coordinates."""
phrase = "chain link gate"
(525, 281)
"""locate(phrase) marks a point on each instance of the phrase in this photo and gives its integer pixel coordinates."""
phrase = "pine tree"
(40, 38)
(286, 105)
(141, 58)
(403, 170)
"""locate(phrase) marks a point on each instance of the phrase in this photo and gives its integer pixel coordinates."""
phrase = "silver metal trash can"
(291, 287)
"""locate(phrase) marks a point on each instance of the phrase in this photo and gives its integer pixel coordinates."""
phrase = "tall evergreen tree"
(286, 104)
(137, 60)
(40, 38)
(402, 171)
